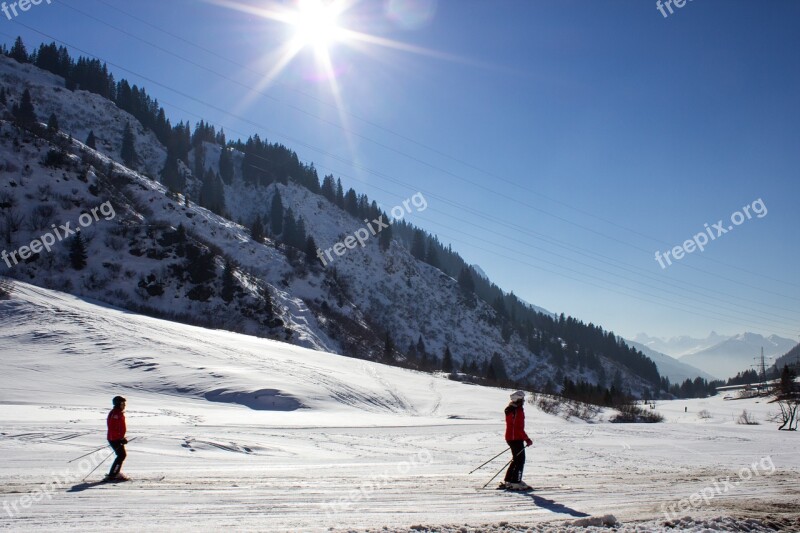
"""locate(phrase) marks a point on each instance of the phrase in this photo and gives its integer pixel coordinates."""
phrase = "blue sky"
(560, 144)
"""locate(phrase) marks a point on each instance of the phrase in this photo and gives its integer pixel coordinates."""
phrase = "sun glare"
(316, 24)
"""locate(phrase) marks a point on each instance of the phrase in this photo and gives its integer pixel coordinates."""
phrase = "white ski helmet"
(519, 395)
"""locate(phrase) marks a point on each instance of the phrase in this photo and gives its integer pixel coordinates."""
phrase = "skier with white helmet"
(517, 439)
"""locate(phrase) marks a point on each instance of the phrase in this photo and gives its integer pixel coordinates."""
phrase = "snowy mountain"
(791, 358)
(156, 251)
(678, 347)
(479, 271)
(677, 371)
(738, 354)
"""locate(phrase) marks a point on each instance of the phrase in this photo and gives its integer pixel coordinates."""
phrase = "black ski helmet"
(118, 400)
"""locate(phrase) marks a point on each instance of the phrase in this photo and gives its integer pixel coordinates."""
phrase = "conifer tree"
(418, 245)
(276, 214)
(431, 257)
(786, 385)
(199, 160)
(388, 346)
(311, 250)
(385, 238)
(171, 175)
(421, 346)
(226, 166)
(52, 123)
(465, 280)
(19, 52)
(77, 253)
(257, 230)
(328, 189)
(447, 360)
(24, 112)
(339, 193)
(299, 239)
(91, 142)
(128, 151)
(289, 235)
(228, 282)
(351, 202)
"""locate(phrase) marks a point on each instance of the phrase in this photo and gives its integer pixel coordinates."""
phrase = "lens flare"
(316, 24)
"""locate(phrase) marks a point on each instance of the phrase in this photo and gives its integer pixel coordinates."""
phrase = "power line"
(464, 207)
(242, 118)
(408, 139)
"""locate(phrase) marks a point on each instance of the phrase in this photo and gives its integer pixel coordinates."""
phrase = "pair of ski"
(128, 479)
(506, 488)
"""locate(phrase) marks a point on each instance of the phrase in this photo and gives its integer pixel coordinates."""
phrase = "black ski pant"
(514, 472)
(119, 449)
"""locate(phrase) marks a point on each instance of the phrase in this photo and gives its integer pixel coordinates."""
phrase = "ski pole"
(490, 460)
(98, 466)
(498, 473)
(95, 451)
(90, 453)
(504, 466)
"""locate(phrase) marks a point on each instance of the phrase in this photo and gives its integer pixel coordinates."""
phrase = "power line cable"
(401, 136)
(223, 111)
(535, 234)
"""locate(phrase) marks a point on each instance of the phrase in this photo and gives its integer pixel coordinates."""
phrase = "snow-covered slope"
(163, 254)
(114, 350)
(235, 432)
(676, 371)
(80, 112)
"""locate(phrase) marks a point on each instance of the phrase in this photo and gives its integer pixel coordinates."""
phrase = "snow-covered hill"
(166, 256)
(236, 432)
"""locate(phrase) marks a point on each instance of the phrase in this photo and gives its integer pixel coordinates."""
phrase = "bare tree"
(788, 413)
(10, 223)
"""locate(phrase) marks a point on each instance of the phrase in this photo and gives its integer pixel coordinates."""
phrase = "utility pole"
(761, 369)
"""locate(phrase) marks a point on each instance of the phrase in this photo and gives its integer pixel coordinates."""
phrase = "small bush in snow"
(42, 217)
(746, 419)
(704, 414)
(630, 413)
(549, 404)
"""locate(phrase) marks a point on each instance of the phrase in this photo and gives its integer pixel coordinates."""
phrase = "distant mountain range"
(719, 355)
(668, 366)
(677, 347)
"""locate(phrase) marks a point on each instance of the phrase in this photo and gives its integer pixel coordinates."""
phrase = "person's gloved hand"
(125, 441)
(529, 442)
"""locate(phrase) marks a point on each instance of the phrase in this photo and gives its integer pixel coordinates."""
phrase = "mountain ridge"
(140, 260)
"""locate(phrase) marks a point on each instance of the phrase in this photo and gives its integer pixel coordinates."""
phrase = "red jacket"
(515, 423)
(116, 425)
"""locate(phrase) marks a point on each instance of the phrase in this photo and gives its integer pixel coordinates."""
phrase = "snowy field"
(254, 435)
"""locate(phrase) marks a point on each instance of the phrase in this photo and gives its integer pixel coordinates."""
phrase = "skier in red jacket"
(516, 439)
(116, 438)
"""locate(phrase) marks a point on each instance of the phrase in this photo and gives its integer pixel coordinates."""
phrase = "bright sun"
(316, 24)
